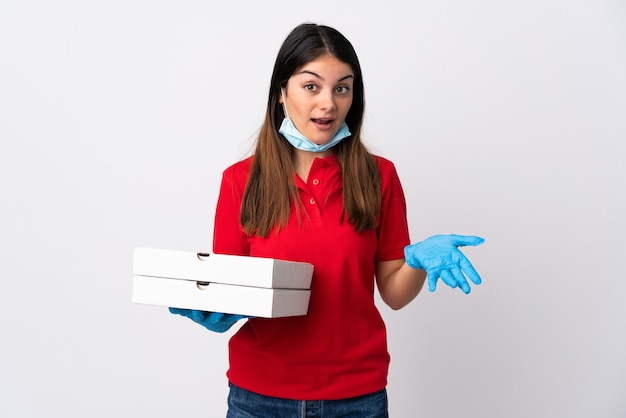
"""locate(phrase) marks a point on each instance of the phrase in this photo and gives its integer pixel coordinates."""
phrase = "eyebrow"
(322, 78)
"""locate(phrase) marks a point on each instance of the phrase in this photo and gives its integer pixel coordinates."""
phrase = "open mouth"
(322, 122)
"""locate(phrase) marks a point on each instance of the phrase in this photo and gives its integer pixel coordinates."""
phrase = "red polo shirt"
(339, 349)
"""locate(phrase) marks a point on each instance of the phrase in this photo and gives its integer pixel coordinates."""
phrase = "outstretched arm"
(437, 257)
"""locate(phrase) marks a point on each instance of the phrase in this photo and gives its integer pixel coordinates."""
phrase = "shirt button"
(316, 182)
(312, 201)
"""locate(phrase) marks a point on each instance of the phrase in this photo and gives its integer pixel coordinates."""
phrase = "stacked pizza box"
(251, 286)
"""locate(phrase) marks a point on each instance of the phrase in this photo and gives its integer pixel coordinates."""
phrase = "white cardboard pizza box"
(225, 269)
(251, 286)
(218, 297)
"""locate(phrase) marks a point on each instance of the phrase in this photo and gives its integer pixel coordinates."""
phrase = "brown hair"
(271, 189)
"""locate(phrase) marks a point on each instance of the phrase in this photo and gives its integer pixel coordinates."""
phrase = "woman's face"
(318, 97)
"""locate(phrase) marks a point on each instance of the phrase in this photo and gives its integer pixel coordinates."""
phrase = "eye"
(342, 89)
(310, 87)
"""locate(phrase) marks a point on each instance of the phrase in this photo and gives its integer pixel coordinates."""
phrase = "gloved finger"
(432, 280)
(462, 240)
(225, 323)
(229, 320)
(179, 311)
(460, 279)
(198, 316)
(215, 317)
(187, 313)
(221, 328)
(448, 278)
(469, 270)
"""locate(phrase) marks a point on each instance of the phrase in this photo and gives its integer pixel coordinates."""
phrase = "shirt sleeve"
(228, 236)
(393, 230)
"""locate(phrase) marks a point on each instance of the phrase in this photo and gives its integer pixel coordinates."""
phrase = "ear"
(281, 96)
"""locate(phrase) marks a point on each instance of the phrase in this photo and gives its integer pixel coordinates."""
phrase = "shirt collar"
(328, 163)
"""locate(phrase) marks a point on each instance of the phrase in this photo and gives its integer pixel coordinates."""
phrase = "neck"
(303, 160)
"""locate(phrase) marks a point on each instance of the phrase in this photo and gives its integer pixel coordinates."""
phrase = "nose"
(326, 100)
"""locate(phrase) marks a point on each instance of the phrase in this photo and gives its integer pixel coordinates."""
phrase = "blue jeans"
(246, 404)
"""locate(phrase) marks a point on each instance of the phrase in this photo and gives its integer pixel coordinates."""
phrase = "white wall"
(504, 119)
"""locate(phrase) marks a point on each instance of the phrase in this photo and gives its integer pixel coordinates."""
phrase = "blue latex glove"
(213, 321)
(440, 257)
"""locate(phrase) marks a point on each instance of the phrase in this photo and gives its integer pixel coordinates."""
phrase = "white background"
(504, 119)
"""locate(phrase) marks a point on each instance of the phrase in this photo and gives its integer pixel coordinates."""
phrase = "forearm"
(398, 283)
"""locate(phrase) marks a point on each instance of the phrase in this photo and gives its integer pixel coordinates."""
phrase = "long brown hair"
(271, 188)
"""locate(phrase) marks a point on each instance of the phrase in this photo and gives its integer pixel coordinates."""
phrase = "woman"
(313, 193)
